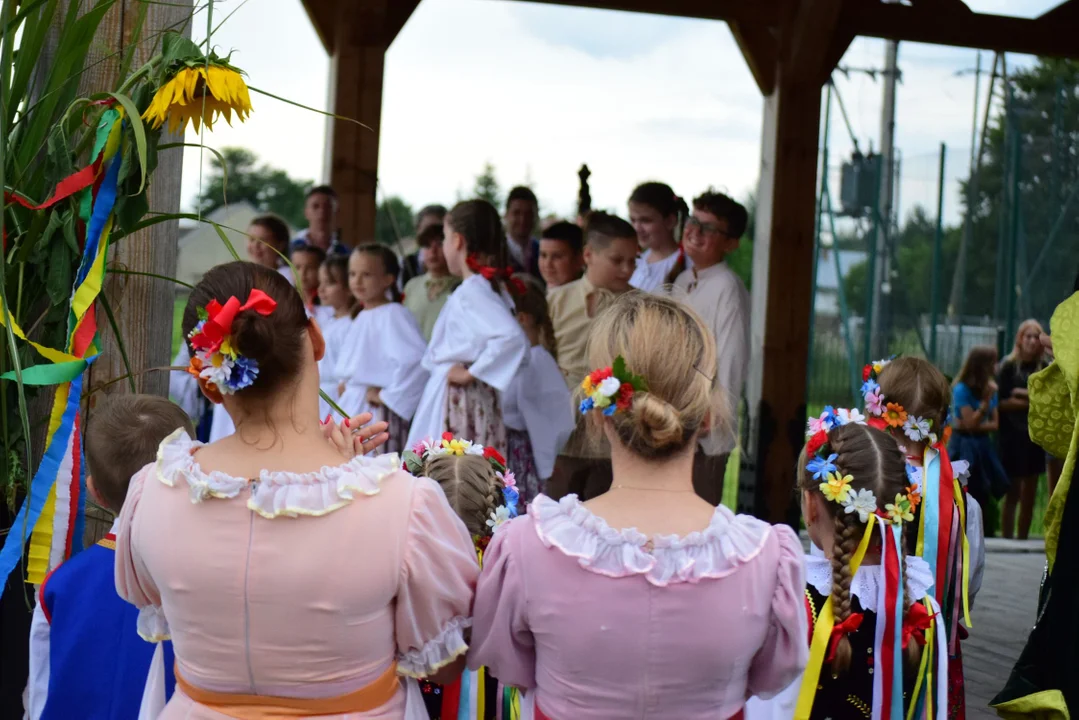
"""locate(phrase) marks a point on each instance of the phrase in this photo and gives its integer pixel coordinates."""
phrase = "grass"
(177, 320)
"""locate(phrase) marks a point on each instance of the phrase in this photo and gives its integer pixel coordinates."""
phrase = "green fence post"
(938, 237)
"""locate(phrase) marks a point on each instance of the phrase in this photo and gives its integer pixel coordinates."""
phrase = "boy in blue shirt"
(86, 657)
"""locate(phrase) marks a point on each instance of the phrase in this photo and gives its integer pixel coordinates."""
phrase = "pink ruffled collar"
(728, 542)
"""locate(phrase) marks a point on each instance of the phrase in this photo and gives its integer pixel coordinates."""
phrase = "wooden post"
(143, 306)
(802, 57)
(360, 36)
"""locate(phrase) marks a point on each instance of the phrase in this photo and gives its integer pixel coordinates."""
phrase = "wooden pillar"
(790, 63)
(358, 41)
(142, 306)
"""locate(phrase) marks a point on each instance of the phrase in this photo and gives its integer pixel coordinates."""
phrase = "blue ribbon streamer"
(40, 486)
(103, 204)
(931, 511)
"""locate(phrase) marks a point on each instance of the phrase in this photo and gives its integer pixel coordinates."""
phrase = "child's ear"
(586, 254)
(210, 391)
(809, 508)
(318, 340)
(91, 487)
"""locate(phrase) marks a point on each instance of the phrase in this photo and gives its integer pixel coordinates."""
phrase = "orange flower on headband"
(895, 415)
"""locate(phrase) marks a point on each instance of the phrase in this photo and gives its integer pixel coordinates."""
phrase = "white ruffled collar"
(274, 493)
(728, 542)
(866, 582)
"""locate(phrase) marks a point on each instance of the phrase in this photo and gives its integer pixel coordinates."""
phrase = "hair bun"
(658, 425)
(254, 335)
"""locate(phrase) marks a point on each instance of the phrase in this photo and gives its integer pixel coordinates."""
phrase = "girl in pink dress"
(645, 602)
(292, 585)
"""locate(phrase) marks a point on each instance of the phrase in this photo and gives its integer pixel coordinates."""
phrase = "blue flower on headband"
(586, 405)
(511, 496)
(820, 467)
(829, 417)
(870, 386)
(244, 372)
(610, 410)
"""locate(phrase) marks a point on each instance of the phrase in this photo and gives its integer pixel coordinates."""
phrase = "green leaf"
(308, 107)
(122, 271)
(58, 280)
(107, 307)
(139, 130)
(225, 239)
(413, 462)
(202, 314)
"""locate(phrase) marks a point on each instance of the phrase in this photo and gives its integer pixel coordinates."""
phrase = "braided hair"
(471, 487)
(874, 461)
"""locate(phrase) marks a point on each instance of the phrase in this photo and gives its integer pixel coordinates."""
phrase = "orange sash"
(266, 707)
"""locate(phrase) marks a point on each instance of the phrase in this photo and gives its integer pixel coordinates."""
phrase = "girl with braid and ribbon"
(484, 494)
(877, 643)
(477, 347)
(908, 398)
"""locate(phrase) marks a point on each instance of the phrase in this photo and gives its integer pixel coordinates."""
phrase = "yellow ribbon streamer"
(822, 634)
(37, 566)
(48, 353)
(481, 693)
(961, 503)
(922, 671)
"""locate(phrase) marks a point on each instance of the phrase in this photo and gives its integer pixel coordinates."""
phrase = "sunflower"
(199, 93)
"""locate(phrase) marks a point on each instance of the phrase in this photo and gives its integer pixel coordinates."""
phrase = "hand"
(990, 390)
(459, 375)
(1047, 342)
(355, 436)
(1021, 393)
(374, 398)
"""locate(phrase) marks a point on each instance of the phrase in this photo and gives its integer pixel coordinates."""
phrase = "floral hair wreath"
(889, 415)
(836, 485)
(214, 355)
(418, 456)
(611, 389)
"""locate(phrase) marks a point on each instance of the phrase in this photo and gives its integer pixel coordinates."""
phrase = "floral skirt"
(522, 462)
(398, 431)
(957, 695)
(475, 413)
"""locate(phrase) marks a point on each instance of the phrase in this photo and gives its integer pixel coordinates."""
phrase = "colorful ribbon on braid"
(53, 511)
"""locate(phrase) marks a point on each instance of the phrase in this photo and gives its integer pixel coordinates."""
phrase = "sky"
(539, 89)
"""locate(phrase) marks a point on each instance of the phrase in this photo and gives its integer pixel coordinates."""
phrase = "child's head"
(430, 241)
(372, 273)
(276, 348)
(714, 229)
(473, 230)
(920, 389)
(978, 369)
(522, 211)
(307, 259)
(122, 438)
(862, 469)
(533, 315)
(429, 215)
(475, 481)
(320, 207)
(333, 290)
(656, 214)
(668, 346)
(561, 253)
(1028, 342)
(267, 241)
(610, 251)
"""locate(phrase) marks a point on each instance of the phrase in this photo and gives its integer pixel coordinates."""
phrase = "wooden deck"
(1002, 617)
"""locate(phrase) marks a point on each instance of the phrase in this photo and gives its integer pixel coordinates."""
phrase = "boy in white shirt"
(714, 230)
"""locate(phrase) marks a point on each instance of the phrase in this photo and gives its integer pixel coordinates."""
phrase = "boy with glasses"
(712, 231)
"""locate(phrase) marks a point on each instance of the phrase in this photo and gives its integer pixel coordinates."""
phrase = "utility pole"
(882, 280)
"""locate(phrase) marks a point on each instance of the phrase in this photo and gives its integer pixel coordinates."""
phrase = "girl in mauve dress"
(646, 602)
(294, 582)
(477, 347)
(380, 359)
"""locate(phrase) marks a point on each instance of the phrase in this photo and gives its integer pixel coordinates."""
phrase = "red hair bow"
(852, 623)
(917, 621)
(816, 442)
(492, 273)
(218, 325)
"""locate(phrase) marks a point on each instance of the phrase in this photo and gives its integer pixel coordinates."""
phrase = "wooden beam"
(356, 70)
(321, 13)
(814, 28)
(922, 23)
(398, 14)
(760, 48)
(1066, 12)
(755, 12)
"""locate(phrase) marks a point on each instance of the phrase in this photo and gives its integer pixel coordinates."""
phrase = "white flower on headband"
(850, 416)
(863, 502)
(916, 428)
(499, 517)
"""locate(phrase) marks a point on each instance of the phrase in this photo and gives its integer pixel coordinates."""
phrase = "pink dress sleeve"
(785, 652)
(501, 639)
(437, 584)
(133, 581)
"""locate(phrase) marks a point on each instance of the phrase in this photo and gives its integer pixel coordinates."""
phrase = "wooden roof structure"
(791, 47)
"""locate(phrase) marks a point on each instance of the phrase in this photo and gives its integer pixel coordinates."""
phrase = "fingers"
(374, 443)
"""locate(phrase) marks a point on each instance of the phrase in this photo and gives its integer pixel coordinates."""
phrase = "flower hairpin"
(417, 457)
(611, 389)
(215, 357)
(885, 415)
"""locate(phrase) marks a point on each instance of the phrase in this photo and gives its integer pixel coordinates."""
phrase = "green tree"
(486, 186)
(236, 176)
(393, 216)
(741, 260)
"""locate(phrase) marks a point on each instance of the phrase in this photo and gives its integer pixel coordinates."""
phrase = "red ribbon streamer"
(218, 325)
(492, 273)
(944, 512)
(892, 595)
(67, 187)
(917, 621)
(839, 630)
(451, 698)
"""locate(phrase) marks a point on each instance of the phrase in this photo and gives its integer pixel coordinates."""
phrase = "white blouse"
(539, 402)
